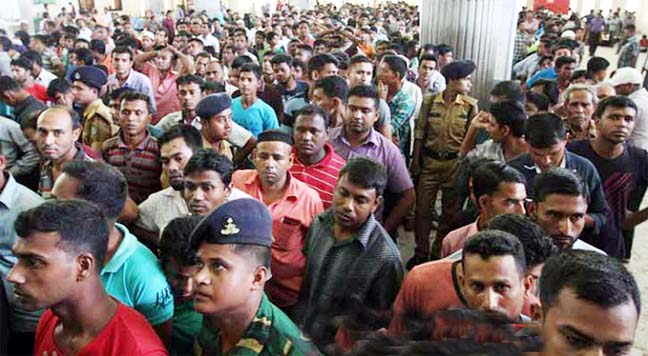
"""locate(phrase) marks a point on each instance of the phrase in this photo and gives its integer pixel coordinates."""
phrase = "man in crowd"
(126, 76)
(546, 135)
(21, 71)
(429, 78)
(97, 121)
(357, 138)
(248, 110)
(496, 189)
(68, 241)
(24, 104)
(292, 204)
(621, 166)
(315, 162)
(435, 159)
(288, 86)
(580, 103)
(234, 245)
(57, 135)
(134, 151)
(351, 259)
(21, 156)
(582, 291)
(627, 82)
(360, 72)
(189, 92)
(130, 272)
(14, 199)
(331, 94)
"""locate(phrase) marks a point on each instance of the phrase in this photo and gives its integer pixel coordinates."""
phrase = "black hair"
(123, 49)
(558, 181)
(190, 134)
(549, 89)
(396, 64)
(175, 241)
(305, 47)
(443, 49)
(591, 276)
(80, 224)
(318, 61)
(580, 73)
(7, 83)
(488, 176)
(564, 60)
(366, 173)
(343, 59)
(208, 160)
(33, 56)
(314, 110)
(239, 61)
(213, 87)
(299, 63)
(544, 130)
(359, 58)
(98, 46)
(58, 85)
(6, 43)
(617, 101)
(281, 58)
(365, 91)
(429, 57)
(539, 100)
(84, 56)
(537, 246)
(251, 68)
(508, 89)
(511, 114)
(23, 63)
(596, 64)
(117, 93)
(334, 87)
(490, 243)
(99, 183)
(188, 79)
(131, 95)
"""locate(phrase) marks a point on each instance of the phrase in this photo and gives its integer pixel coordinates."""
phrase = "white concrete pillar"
(480, 30)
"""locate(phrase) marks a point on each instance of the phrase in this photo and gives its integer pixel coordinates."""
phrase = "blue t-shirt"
(134, 277)
(549, 73)
(256, 118)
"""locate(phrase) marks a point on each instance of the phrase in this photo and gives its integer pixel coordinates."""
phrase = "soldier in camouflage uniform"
(234, 248)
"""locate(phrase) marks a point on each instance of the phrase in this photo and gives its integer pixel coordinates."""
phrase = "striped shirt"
(141, 166)
(322, 176)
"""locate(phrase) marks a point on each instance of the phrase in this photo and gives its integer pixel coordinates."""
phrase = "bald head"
(57, 130)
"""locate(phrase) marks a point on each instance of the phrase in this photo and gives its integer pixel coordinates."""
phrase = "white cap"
(626, 75)
(148, 34)
(569, 34)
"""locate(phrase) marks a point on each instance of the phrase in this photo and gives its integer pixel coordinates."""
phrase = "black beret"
(212, 105)
(275, 135)
(458, 69)
(238, 222)
(90, 75)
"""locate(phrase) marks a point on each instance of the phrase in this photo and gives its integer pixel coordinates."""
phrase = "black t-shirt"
(619, 176)
(300, 89)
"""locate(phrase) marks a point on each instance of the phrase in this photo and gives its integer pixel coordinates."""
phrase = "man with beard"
(163, 77)
(176, 148)
(560, 206)
(580, 103)
(621, 166)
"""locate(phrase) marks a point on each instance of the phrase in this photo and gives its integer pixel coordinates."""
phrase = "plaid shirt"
(629, 53)
(47, 178)
(520, 47)
(401, 107)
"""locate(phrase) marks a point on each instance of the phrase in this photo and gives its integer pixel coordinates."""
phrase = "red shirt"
(166, 91)
(322, 176)
(127, 333)
(38, 91)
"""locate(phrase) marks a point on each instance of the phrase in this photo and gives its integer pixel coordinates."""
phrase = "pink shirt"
(291, 218)
(455, 240)
(165, 89)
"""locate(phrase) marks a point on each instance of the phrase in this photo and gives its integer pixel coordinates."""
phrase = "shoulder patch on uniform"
(251, 344)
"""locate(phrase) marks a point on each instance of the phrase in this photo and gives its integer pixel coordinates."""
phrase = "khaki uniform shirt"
(97, 125)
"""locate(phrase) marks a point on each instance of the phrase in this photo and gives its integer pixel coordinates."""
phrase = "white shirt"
(160, 208)
(639, 136)
(45, 77)
(210, 40)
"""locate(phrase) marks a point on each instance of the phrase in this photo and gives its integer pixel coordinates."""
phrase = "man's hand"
(481, 121)
(383, 90)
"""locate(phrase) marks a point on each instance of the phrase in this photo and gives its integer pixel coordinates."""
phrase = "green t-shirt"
(187, 324)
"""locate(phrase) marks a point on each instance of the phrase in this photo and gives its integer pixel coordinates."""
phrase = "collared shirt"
(210, 40)
(367, 267)
(291, 215)
(187, 325)
(442, 128)
(520, 46)
(166, 91)
(256, 118)
(377, 147)
(527, 66)
(639, 136)
(435, 85)
(270, 333)
(141, 166)
(136, 81)
(27, 108)
(21, 155)
(160, 208)
(238, 137)
(134, 277)
(46, 182)
(401, 108)
(98, 125)
(629, 52)
(14, 199)
(455, 239)
(45, 77)
(321, 176)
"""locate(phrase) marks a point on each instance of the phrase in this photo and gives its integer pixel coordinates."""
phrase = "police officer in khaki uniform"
(97, 120)
(439, 131)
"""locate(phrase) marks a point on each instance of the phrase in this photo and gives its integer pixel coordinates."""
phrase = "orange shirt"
(165, 89)
(291, 218)
(107, 62)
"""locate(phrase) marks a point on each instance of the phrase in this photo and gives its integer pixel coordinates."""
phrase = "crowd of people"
(236, 185)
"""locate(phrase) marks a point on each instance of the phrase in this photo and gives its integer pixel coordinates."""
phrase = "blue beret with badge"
(212, 105)
(458, 69)
(91, 76)
(239, 222)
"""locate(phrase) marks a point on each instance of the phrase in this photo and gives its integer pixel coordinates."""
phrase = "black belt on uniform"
(443, 156)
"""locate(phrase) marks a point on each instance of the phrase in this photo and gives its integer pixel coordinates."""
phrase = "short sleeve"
(152, 296)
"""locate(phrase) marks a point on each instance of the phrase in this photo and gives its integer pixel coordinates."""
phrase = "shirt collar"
(328, 156)
(371, 138)
(291, 192)
(125, 250)
(362, 235)
(140, 146)
(7, 196)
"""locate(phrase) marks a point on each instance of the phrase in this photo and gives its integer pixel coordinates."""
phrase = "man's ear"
(260, 277)
(379, 202)
(86, 264)
(536, 312)
(532, 209)
(483, 201)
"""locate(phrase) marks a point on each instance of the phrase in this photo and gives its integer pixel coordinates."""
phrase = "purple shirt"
(597, 25)
(377, 147)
